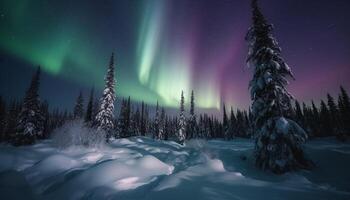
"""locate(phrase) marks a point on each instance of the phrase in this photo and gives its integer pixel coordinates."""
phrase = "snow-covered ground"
(142, 168)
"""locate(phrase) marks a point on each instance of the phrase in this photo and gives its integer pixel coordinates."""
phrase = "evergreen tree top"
(182, 102)
(263, 46)
(225, 119)
(32, 92)
(192, 103)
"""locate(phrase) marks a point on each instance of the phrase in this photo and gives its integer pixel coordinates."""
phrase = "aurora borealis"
(165, 46)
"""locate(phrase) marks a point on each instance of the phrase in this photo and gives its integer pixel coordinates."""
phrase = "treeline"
(330, 118)
(23, 122)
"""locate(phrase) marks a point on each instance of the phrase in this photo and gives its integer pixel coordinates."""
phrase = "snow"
(143, 168)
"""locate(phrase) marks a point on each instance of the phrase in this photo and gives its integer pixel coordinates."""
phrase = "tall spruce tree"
(104, 119)
(89, 109)
(192, 121)
(30, 125)
(79, 107)
(278, 142)
(181, 133)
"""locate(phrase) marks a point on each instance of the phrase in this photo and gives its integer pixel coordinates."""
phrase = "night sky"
(165, 46)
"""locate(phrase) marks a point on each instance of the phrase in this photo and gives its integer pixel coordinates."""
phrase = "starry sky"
(165, 46)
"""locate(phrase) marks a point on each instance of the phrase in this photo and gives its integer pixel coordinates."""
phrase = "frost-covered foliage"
(278, 140)
(31, 120)
(104, 118)
(76, 133)
(278, 145)
(181, 133)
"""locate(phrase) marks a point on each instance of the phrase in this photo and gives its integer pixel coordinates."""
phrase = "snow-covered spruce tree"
(192, 129)
(104, 118)
(89, 109)
(79, 107)
(31, 121)
(181, 133)
(278, 139)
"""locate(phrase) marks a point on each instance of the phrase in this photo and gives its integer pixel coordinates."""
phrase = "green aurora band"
(63, 47)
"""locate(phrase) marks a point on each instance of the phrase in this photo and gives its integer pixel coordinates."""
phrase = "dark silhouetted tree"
(31, 121)
(79, 107)
(334, 115)
(89, 115)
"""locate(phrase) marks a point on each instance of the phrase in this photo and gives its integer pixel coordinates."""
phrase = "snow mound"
(49, 167)
(143, 168)
(116, 174)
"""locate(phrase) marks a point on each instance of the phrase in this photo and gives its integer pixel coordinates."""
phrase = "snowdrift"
(142, 168)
